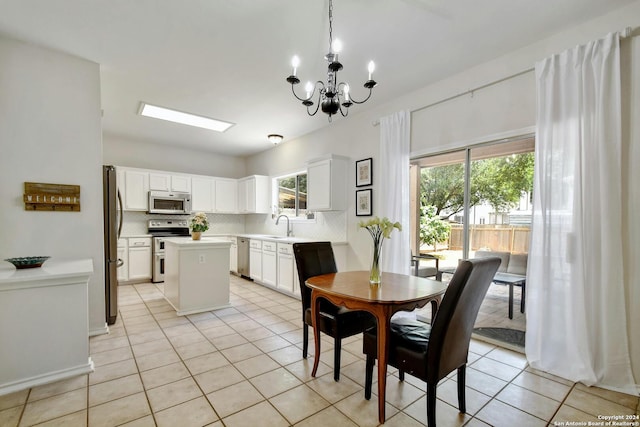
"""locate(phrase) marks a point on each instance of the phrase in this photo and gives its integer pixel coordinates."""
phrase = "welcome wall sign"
(51, 197)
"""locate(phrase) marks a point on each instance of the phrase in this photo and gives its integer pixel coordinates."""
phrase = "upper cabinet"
(169, 182)
(327, 184)
(208, 194)
(136, 190)
(254, 194)
(226, 195)
(203, 194)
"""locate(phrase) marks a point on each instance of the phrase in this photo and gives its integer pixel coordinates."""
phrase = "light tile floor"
(243, 366)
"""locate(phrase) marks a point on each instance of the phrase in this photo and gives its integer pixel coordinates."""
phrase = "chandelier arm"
(317, 108)
(320, 89)
(342, 112)
(364, 100)
(297, 97)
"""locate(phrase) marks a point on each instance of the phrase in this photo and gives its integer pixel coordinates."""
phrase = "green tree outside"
(499, 181)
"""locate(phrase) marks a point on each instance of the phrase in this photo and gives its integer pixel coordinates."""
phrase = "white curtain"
(393, 177)
(576, 321)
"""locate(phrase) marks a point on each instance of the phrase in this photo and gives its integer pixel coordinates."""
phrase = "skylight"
(162, 113)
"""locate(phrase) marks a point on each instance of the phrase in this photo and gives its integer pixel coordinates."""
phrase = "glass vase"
(374, 274)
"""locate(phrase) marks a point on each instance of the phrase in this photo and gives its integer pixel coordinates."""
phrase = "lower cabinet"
(274, 265)
(123, 254)
(287, 271)
(269, 264)
(255, 260)
(233, 254)
(139, 258)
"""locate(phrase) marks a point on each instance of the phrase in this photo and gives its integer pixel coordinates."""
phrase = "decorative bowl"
(28, 261)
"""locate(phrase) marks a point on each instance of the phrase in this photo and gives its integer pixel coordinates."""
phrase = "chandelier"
(333, 96)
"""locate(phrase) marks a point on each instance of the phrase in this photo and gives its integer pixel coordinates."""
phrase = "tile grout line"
(228, 361)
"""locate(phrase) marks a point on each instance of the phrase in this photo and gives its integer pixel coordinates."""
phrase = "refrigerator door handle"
(120, 263)
(120, 210)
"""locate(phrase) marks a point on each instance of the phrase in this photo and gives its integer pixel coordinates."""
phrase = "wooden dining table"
(396, 292)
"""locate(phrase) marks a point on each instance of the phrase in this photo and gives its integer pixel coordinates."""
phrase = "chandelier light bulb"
(371, 68)
(309, 88)
(336, 46)
(346, 92)
(295, 61)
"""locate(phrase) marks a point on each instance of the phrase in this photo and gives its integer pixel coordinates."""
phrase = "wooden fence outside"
(504, 238)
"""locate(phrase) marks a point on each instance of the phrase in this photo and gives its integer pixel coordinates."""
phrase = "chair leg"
(368, 376)
(431, 405)
(305, 340)
(462, 406)
(337, 344)
(401, 375)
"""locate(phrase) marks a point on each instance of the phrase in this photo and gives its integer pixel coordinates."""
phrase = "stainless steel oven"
(160, 229)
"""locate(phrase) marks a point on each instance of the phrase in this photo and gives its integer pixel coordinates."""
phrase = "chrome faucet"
(289, 230)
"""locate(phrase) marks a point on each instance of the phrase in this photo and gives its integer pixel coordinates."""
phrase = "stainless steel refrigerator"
(112, 227)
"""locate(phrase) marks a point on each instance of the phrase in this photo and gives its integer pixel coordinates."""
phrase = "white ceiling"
(228, 59)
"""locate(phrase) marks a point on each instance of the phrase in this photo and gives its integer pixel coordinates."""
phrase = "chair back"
(504, 258)
(454, 320)
(312, 259)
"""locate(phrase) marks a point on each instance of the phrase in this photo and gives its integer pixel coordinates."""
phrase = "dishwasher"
(243, 257)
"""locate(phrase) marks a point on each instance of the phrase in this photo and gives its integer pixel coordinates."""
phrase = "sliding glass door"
(476, 202)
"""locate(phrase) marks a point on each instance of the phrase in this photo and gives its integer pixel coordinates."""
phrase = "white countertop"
(204, 241)
(53, 269)
(277, 239)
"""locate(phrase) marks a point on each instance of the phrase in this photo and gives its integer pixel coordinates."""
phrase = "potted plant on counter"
(198, 224)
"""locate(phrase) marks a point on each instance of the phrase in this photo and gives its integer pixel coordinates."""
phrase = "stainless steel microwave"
(169, 202)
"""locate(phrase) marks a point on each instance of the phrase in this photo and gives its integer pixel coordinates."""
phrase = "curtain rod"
(468, 91)
(624, 33)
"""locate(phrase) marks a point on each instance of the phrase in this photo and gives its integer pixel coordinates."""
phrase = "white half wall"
(50, 132)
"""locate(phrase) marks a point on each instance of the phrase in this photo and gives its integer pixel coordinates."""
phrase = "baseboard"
(49, 377)
(99, 331)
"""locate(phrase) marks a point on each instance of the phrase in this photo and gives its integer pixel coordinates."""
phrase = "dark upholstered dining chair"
(431, 352)
(315, 259)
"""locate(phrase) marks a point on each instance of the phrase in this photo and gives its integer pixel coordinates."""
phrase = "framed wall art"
(364, 172)
(363, 202)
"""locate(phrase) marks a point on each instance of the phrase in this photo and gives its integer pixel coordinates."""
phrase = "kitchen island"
(44, 323)
(196, 274)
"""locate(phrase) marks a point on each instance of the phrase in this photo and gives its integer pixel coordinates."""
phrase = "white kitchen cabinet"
(226, 195)
(169, 182)
(181, 183)
(123, 254)
(254, 194)
(327, 184)
(139, 258)
(197, 275)
(136, 194)
(159, 182)
(287, 271)
(269, 263)
(233, 255)
(202, 194)
(255, 260)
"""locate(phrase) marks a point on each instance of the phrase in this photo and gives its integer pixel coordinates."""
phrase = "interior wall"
(356, 139)
(50, 132)
(123, 151)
